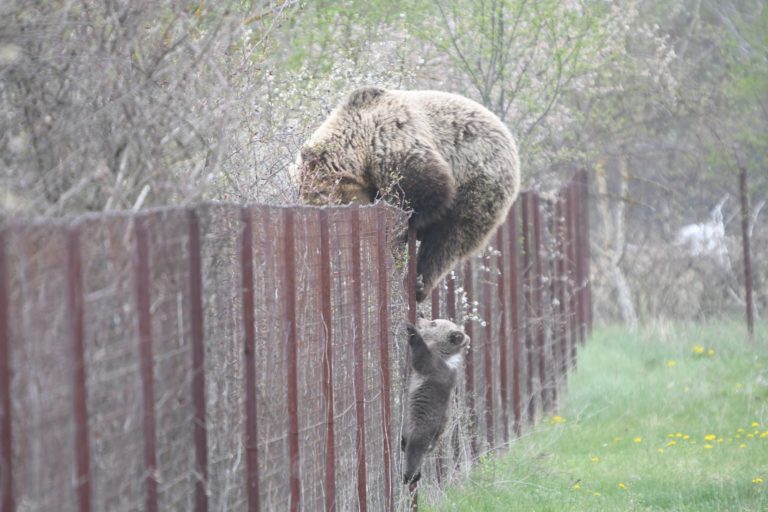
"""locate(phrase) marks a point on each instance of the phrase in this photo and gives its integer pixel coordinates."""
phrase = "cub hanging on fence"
(448, 159)
(437, 351)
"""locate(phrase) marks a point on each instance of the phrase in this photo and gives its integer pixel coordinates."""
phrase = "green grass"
(637, 417)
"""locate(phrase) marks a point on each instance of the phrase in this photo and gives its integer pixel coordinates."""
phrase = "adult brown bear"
(449, 160)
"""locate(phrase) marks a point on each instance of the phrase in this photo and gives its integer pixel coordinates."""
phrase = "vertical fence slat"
(358, 349)
(585, 253)
(572, 283)
(77, 332)
(503, 338)
(6, 438)
(386, 379)
(514, 320)
(469, 367)
(249, 340)
(745, 247)
(326, 312)
(578, 258)
(539, 299)
(292, 354)
(142, 281)
(198, 361)
(528, 305)
(554, 327)
(488, 352)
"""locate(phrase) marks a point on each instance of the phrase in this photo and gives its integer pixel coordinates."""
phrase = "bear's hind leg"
(453, 238)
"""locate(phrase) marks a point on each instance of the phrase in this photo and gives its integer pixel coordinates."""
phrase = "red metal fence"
(253, 358)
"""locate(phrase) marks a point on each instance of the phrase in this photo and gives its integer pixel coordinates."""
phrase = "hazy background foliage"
(119, 105)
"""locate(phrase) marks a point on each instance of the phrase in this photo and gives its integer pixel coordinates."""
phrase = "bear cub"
(437, 351)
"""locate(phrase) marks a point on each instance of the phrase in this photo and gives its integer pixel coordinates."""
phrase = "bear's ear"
(363, 96)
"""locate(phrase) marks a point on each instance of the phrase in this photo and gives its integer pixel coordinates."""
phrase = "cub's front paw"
(412, 332)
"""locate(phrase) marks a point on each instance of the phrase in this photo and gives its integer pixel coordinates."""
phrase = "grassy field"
(670, 418)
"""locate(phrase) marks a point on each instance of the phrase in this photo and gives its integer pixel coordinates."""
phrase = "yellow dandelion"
(594, 459)
(742, 445)
(698, 349)
(671, 363)
(711, 352)
(660, 450)
(616, 439)
(622, 486)
(751, 435)
(757, 480)
(596, 493)
(679, 434)
(708, 446)
(710, 437)
(739, 385)
(740, 430)
(755, 424)
(575, 487)
(764, 435)
(638, 439)
(720, 440)
(557, 420)
(686, 437)
(672, 443)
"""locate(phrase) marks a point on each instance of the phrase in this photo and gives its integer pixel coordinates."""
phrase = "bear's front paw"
(409, 479)
(421, 292)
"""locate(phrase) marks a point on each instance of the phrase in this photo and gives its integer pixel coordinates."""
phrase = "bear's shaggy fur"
(437, 351)
(447, 158)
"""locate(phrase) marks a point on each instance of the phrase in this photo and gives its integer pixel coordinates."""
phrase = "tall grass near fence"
(226, 357)
(673, 417)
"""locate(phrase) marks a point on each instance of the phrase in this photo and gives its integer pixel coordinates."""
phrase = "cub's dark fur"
(447, 158)
(437, 351)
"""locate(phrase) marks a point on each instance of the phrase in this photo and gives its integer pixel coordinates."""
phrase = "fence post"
(746, 249)
(488, 352)
(586, 252)
(554, 327)
(539, 299)
(562, 285)
(249, 340)
(289, 277)
(198, 361)
(528, 305)
(6, 439)
(142, 279)
(386, 380)
(503, 338)
(357, 312)
(514, 318)
(75, 313)
(327, 362)
(470, 366)
(571, 271)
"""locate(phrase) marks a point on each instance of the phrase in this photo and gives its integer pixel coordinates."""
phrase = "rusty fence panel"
(253, 357)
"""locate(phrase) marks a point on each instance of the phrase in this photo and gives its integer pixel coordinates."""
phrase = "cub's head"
(443, 337)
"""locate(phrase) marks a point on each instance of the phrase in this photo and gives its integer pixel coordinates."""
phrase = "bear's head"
(444, 338)
(334, 165)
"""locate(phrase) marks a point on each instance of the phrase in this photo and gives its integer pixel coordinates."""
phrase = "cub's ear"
(363, 96)
(456, 337)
